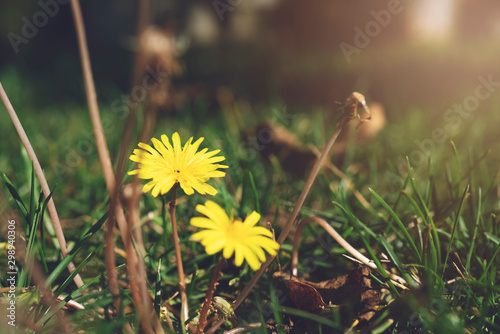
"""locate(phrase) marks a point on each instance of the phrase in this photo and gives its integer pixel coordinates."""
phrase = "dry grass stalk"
(135, 274)
(400, 282)
(43, 182)
(350, 112)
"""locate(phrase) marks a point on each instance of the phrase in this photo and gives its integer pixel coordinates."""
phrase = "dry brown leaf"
(352, 289)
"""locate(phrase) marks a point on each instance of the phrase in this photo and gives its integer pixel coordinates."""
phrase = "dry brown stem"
(178, 256)
(351, 112)
(135, 274)
(43, 182)
(400, 282)
(209, 295)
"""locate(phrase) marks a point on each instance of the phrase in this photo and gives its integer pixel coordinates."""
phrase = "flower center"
(234, 230)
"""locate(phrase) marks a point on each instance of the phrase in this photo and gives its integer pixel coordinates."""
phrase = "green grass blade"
(492, 237)
(399, 223)
(357, 221)
(13, 192)
(426, 209)
(433, 255)
(396, 203)
(90, 233)
(474, 233)
(457, 156)
(31, 214)
(75, 272)
(312, 317)
(454, 228)
(416, 207)
(59, 269)
(275, 307)
(421, 215)
(490, 263)
(50, 314)
(79, 245)
(369, 249)
(397, 262)
(255, 193)
(41, 242)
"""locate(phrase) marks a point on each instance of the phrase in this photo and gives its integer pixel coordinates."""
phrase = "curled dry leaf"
(353, 289)
(305, 296)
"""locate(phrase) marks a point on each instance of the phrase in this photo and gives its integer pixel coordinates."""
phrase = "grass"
(441, 210)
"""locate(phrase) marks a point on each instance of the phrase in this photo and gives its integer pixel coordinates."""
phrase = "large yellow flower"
(244, 239)
(166, 165)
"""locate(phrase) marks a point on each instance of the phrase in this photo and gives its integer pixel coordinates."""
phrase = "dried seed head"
(223, 307)
(351, 109)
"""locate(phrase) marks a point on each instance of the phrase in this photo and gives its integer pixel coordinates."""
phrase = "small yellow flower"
(244, 239)
(166, 165)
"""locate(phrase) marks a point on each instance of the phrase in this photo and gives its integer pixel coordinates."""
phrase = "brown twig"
(351, 113)
(134, 213)
(136, 276)
(208, 298)
(43, 182)
(143, 19)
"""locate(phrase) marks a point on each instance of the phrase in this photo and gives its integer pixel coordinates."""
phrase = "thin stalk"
(43, 182)
(343, 121)
(400, 282)
(143, 18)
(208, 298)
(178, 257)
(136, 272)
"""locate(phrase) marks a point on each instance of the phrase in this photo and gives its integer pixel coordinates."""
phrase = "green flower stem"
(178, 256)
(209, 295)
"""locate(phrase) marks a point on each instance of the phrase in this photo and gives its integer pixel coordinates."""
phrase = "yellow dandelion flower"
(244, 239)
(168, 164)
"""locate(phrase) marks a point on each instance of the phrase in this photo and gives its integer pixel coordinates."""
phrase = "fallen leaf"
(353, 289)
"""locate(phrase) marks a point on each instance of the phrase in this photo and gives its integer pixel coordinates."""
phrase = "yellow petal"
(252, 219)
